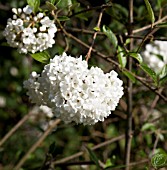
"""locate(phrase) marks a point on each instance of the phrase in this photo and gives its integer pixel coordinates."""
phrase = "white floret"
(151, 53)
(73, 92)
(30, 33)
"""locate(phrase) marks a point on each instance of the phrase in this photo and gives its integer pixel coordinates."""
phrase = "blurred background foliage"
(70, 139)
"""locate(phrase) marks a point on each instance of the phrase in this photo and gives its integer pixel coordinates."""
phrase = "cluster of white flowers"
(74, 92)
(29, 32)
(155, 55)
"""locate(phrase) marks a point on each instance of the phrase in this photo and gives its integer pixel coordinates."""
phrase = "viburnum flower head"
(155, 55)
(30, 32)
(74, 92)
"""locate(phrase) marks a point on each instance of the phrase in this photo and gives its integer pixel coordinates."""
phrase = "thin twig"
(40, 140)
(10, 133)
(129, 94)
(94, 36)
(93, 148)
(91, 9)
(149, 26)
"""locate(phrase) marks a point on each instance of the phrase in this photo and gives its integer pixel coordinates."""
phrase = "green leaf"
(137, 56)
(148, 126)
(34, 4)
(107, 31)
(149, 71)
(121, 57)
(108, 163)
(159, 160)
(63, 18)
(150, 11)
(50, 5)
(42, 57)
(93, 157)
(130, 76)
(163, 72)
(96, 28)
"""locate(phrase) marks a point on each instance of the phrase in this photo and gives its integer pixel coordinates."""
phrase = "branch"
(129, 94)
(94, 36)
(40, 140)
(10, 133)
(93, 148)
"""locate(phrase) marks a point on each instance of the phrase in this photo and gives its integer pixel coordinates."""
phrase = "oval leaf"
(130, 76)
(150, 11)
(137, 56)
(50, 5)
(149, 71)
(107, 31)
(63, 18)
(42, 57)
(121, 57)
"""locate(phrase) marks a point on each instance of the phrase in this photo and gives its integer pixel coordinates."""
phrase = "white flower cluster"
(155, 55)
(74, 92)
(29, 32)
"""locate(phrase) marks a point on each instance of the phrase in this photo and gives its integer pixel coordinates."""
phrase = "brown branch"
(40, 140)
(10, 133)
(92, 8)
(129, 94)
(94, 36)
(93, 148)
(149, 26)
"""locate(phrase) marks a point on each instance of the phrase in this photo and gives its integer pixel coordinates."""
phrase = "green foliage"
(137, 56)
(42, 57)
(34, 4)
(129, 75)
(121, 57)
(159, 160)
(150, 11)
(113, 39)
(149, 71)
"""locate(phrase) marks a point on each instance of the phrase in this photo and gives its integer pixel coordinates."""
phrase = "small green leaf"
(159, 160)
(50, 6)
(108, 163)
(121, 57)
(34, 4)
(130, 76)
(148, 126)
(149, 71)
(96, 28)
(150, 11)
(63, 18)
(93, 157)
(137, 56)
(163, 72)
(107, 31)
(42, 57)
